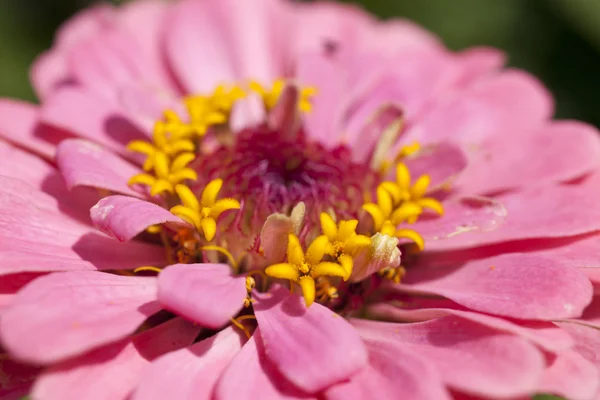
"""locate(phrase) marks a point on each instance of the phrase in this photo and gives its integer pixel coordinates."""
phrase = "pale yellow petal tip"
(209, 228)
(328, 226)
(147, 268)
(307, 284)
(153, 229)
(283, 271)
(411, 235)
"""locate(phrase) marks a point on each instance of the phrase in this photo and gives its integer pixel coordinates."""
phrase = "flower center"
(274, 205)
(273, 174)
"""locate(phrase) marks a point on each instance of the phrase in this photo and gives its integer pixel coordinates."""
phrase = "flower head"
(257, 242)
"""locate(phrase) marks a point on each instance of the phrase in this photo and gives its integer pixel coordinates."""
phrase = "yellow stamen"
(203, 214)
(271, 95)
(241, 327)
(412, 235)
(225, 252)
(304, 268)
(146, 268)
(342, 241)
(307, 283)
(153, 229)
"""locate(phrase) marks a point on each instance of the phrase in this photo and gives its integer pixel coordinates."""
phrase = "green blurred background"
(557, 40)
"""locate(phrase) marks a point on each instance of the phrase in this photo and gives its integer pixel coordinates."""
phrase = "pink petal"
(472, 217)
(386, 118)
(196, 35)
(145, 21)
(49, 71)
(477, 62)
(259, 44)
(543, 212)
(251, 369)
(328, 75)
(572, 376)
(19, 124)
(591, 315)
(564, 151)
(11, 284)
(85, 163)
(40, 238)
(587, 340)
(20, 165)
(124, 217)
(543, 334)
(511, 101)
(65, 314)
(520, 286)
(334, 28)
(86, 114)
(109, 59)
(393, 373)
(145, 104)
(83, 24)
(190, 373)
(469, 357)
(443, 162)
(398, 34)
(410, 79)
(113, 371)
(304, 342)
(205, 293)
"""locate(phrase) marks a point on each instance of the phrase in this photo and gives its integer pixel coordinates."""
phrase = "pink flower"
(277, 176)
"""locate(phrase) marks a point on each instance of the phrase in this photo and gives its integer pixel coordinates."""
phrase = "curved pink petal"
(190, 373)
(332, 25)
(522, 286)
(387, 118)
(196, 35)
(572, 376)
(393, 373)
(251, 369)
(205, 293)
(442, 162)
(36, 236)
(259, 44)
(564, 150)
(84, 113)
(19, 125)
(510, 102)
(83, 24)
(410, 79)
(145, 21)
(49, 71)
(26, 167)
(587, 340)
(67, 313)
(477, 62)
(11, 284)
(543, 334)
(88, 164)
(468, 356)
(397, 34)
(569, 210)
(323, 122)
(473, 217)
(124, 217)
(113, 371)
(303, 342)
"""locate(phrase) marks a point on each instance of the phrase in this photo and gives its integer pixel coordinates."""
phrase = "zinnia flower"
(306, 202)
